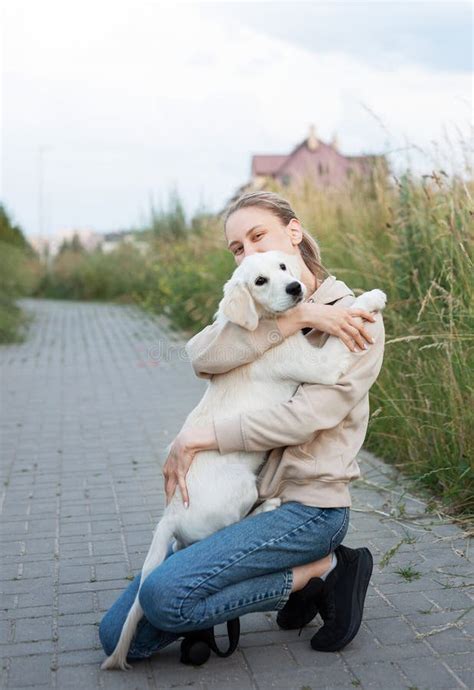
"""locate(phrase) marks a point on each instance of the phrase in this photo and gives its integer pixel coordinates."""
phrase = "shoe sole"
(358, 598)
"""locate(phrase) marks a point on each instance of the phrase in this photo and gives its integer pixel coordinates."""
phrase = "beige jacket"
(313, 438)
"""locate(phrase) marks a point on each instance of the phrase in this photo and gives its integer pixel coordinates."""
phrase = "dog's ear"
(239, 307)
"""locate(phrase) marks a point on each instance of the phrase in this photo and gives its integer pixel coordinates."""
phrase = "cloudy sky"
(107, 106)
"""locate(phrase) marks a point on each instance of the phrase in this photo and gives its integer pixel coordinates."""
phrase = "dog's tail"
(156, 555)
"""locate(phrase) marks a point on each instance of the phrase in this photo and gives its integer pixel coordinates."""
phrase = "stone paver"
(88, 404)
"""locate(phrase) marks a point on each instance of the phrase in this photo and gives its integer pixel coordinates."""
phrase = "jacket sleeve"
(312, 408)
(224, 345)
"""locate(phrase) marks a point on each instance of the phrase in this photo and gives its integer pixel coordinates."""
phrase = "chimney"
(335, 142)
(312, 140)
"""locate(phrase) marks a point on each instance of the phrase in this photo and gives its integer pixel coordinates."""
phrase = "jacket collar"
(330, 289)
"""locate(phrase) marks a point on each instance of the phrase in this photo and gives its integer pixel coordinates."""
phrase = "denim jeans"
(241, 568)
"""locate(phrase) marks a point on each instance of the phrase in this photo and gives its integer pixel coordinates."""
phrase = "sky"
(109, 107)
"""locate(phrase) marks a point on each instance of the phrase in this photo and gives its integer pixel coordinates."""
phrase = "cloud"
(136, 98)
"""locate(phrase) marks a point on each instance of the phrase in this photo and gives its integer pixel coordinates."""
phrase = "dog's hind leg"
(266, 506)
(156, 555)
(162, 536)
(178, 545)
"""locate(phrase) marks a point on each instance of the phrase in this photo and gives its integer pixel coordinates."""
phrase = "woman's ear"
(238, 306)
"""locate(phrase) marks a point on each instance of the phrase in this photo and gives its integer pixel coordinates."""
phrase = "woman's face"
(250, 230)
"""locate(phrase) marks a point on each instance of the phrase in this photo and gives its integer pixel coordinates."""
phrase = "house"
(89, 240)
(321, 163)
(112, 240)
(49, 245)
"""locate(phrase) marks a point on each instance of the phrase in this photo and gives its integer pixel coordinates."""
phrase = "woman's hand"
(187, 443)
(328, 318)
(339, 321)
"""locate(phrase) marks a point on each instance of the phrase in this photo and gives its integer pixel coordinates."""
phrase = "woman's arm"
(312, 408)
(224, 345)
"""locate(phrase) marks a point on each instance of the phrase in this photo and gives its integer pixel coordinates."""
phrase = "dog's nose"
(293, 288)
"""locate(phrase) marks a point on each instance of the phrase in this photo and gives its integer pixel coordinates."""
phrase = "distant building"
(89, 240)
(312, 159)
(111, 240)
(51, 245)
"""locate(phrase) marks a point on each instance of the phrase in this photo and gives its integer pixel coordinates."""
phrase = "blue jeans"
(241, 568)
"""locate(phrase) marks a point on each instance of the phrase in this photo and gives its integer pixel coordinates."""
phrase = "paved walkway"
(88, 404)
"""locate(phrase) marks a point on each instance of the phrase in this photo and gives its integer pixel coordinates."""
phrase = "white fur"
(222, 489)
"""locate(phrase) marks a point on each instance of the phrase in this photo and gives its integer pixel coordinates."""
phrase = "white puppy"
(222, 489)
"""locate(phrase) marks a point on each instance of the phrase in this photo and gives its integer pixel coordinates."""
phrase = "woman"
(289, 559)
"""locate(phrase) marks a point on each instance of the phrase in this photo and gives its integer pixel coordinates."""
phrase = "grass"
(408, 574)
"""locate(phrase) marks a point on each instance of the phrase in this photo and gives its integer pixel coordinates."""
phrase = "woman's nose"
(252, 250)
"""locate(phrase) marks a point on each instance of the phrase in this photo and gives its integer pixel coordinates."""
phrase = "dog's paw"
(378, 299)
(372, 300)
(269, 504)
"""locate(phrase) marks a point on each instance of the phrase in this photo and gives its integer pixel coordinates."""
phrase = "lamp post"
(41, 226)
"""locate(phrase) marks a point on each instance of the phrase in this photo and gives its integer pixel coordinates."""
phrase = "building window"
(320, 168)
(285, 179)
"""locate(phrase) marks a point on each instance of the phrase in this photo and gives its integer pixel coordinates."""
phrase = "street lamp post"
(41, 224)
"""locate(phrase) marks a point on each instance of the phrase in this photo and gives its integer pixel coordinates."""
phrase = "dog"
(265, 284)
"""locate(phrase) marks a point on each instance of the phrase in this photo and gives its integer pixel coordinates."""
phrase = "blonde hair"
(281, 208)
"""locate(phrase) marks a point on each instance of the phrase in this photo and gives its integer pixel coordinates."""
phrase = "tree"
(10, 233)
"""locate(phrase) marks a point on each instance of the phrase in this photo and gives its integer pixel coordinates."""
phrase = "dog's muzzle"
(294, 289)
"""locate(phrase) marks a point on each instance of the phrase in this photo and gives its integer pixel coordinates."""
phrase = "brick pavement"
(88, 403)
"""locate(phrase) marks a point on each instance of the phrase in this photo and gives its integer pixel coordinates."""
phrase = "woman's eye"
(260, 280)
(283, 267)
(257, 237)
(238, 251)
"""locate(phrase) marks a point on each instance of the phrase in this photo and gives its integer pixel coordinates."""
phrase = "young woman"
(289, 559)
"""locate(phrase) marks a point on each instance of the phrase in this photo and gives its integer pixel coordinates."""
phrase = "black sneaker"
(301, 607)
(341, 603)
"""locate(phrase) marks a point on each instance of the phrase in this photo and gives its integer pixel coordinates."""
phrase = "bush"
(20, 272)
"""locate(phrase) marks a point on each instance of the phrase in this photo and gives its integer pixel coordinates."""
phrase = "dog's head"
(265, 283)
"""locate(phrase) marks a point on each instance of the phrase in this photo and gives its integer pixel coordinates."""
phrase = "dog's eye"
(283, 267)
(260, 280)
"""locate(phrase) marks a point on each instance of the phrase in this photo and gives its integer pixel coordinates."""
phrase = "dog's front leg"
(306, 363)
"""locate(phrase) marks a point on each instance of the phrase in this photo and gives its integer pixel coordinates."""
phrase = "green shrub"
(122, 275)
(20, 272)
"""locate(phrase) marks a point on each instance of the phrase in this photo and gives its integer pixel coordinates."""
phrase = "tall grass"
(188, 275)
(414, 240)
